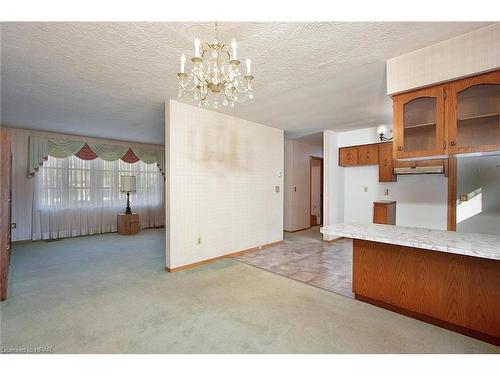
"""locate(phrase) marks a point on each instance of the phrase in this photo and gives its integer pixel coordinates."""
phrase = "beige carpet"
(110, 294)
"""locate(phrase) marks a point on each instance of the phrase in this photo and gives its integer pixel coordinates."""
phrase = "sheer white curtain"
(75, 197)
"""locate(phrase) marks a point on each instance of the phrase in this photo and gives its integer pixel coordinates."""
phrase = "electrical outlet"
(386, 191)
(199, 240)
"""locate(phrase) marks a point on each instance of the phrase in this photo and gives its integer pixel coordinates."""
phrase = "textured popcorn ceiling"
(111, 79)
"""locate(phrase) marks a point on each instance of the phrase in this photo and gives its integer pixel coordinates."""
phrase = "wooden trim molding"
(230, 255)
(297, 230)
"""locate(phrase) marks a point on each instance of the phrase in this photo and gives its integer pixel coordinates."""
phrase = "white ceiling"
(111, 79)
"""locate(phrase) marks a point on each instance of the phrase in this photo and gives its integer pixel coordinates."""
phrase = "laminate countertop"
(470, 244)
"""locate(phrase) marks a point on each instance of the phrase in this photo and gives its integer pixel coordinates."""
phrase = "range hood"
(431, 169)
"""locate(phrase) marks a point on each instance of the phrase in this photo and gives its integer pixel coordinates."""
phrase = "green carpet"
(110, 294)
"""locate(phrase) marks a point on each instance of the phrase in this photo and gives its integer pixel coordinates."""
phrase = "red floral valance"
(86, 153)
(130, 157)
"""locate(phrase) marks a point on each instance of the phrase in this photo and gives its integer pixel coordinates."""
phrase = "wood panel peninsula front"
(444, 278)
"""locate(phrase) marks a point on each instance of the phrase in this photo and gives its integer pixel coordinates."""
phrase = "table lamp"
(127, 185)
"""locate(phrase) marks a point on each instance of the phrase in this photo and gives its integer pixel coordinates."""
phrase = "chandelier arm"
(202, 98)
(185, 88)
(203, 49)
(243, 91)
(228, 55)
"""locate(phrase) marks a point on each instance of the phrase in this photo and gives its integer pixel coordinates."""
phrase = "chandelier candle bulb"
(233, 50)
(196, 47)
(248, 62)
(183, 63)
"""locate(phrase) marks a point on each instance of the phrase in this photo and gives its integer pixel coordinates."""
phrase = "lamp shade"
(127, 183)
(382, 129)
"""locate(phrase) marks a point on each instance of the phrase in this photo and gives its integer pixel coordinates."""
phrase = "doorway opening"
(316, 191)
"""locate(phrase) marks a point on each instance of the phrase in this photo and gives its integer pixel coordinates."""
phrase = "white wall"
(22, 186)
(297, 189)
(333, 182)
(222, 173)
(421, 199)
(464, 55)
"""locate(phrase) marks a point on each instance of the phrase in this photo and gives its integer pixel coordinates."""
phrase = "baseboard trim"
(297, 230)
(230, 255)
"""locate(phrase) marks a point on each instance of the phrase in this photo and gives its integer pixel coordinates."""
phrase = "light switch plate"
(366, 189)
(277, 189)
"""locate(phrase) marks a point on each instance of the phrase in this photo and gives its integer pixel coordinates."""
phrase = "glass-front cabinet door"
(419, 123)
(473, 109)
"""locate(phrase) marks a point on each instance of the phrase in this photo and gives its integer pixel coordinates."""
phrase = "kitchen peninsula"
(445, 278)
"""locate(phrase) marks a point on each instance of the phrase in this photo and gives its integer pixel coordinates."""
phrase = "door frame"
(311, 158)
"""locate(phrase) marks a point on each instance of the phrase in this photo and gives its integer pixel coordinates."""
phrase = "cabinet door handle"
(400, 148)
(444, 145)
(453, 143)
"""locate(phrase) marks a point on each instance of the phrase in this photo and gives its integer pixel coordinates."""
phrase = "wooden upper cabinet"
(348, 156)
(472, 112)
(368, 154)
(419, 123)
(385, 163)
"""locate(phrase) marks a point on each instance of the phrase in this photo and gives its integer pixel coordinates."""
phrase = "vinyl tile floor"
(304, 257)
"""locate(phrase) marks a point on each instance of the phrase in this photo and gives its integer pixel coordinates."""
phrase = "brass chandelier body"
(216, 75)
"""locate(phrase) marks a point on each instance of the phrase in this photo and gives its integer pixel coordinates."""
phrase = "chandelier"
(216, 74)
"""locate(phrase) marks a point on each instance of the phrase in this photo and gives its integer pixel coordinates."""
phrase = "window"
(83, 196)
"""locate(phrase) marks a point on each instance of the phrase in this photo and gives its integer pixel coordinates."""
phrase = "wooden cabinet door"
(348, 156)
(384, 213)
(385, 163)
(379, 213)
(419, 123)
(368, 154)
(472, 113)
